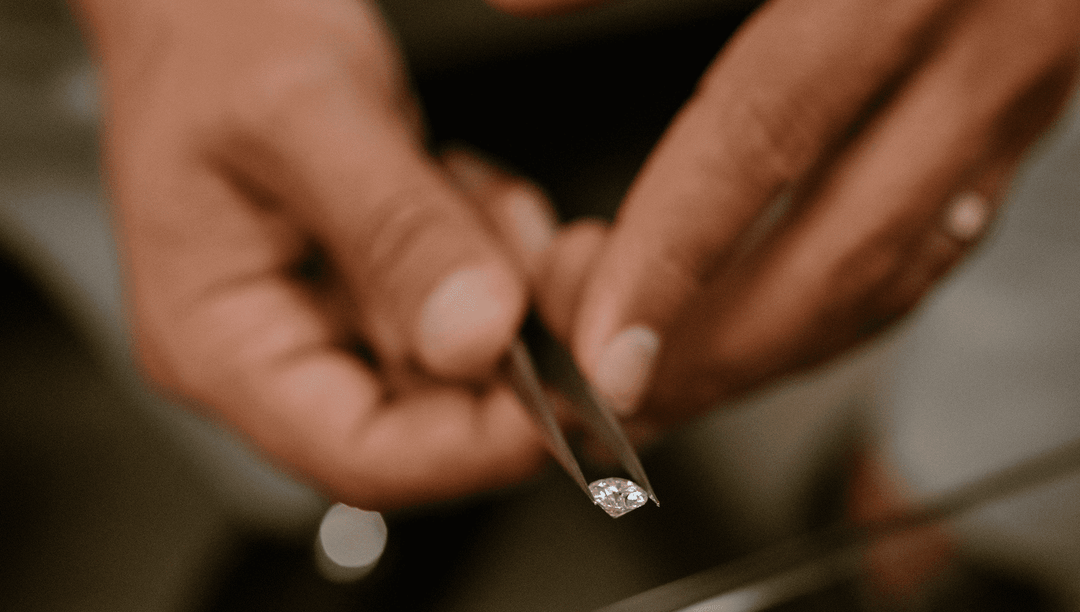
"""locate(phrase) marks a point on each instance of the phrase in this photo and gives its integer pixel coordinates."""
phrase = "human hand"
(276, 208)
(890, 128)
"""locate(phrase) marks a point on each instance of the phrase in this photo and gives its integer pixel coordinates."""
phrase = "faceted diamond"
(617, 496)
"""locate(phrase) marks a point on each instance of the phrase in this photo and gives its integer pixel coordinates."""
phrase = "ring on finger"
(967, 216)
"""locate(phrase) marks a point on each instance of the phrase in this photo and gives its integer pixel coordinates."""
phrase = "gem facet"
(617, 496)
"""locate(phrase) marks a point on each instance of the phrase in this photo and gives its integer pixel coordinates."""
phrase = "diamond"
(617, 496)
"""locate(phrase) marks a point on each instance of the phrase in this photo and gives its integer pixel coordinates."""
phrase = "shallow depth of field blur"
(114, 498)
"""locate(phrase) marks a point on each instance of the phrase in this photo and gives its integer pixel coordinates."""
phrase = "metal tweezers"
(536, 351)
(778, 575)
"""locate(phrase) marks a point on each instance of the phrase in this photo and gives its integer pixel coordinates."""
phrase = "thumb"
(429, 281)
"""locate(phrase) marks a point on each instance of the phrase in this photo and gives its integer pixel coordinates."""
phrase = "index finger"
(233, 330)
(784, 92)
(319, 409)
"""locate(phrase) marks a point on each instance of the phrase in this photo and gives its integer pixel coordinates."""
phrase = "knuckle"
(271, 97)
(866, 268)
(771, 139)
(396, 231)
(777, 144)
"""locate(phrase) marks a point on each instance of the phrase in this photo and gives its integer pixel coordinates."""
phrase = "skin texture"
(277, 209)
(868, 119)
(300, 266)
(886, 131)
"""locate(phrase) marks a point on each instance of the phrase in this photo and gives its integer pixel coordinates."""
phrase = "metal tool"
(809, 562)
(558, 369)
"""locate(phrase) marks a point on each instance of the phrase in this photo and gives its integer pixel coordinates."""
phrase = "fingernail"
(468, 318)
(533, 222)
(625, 366)
(967, 216)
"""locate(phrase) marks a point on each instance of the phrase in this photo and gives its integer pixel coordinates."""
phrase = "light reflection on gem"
(617, 496)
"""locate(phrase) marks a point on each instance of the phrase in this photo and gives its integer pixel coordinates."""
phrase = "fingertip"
(621, 365)
(533, 223)
(519, 212)
(625, 367)
(469, 319)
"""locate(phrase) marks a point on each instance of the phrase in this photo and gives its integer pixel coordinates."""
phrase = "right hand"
(893, 126)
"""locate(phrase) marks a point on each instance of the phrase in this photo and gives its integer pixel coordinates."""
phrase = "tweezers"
(812, 562)
(537, 346)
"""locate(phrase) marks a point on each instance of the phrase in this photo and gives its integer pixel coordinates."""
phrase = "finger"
(427, 445)
(784, 91)
(230, 329)
(966, 217)
(888, 192)
(431, 282)
(819, 288)
(572, 256)
(316, 408)
(519, 213)
(963, 222)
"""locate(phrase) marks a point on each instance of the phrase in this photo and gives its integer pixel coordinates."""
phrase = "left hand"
(244, 138)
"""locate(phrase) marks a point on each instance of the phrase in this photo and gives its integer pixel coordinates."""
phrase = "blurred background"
(115, 498)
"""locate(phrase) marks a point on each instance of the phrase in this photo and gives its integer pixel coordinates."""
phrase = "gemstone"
(617, 496)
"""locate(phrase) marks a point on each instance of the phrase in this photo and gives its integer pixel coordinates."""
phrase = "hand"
(276, 209)
(889, 130)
